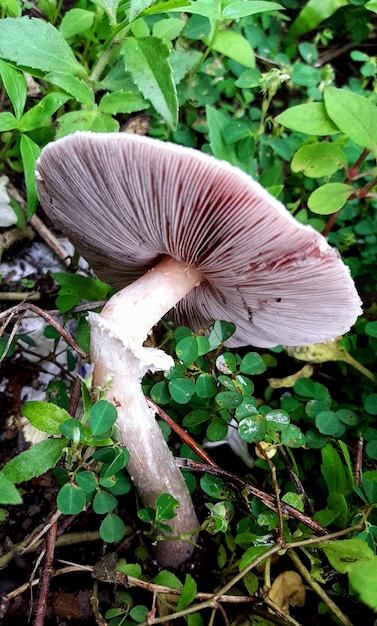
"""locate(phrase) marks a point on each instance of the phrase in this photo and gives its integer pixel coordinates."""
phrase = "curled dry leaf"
(287, 590)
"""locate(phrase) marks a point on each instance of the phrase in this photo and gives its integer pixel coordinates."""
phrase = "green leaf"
(221, 331)
(329, 198)
(311, 119)
(122, 102)
(30, 152)
(8, 492)
(166, 507)
(112, 528)
(7, 121)
(93, 120)
(73, 430)
(137, 6)
(252, 428)
(36, 44)
(205, 386)
(226, 363)
(35, 117)
(76, 21)
(15, 86)
(313, 13)
(345, 553)
(252, 363)
(147, 60)
(160, 393)
(72, 85)
(167, 579)
(139, 613)
(87, 481)
(188, 593)
(71, 499)
(104, 502)
(206, 8)
(333, 471)
(294, 499)
(370, 404)
(243, 8)
(36, 461)
(182, 390)
(216, 488)
(45, 416)
(102, 416)
(217, 430)
(318, 159)
(293, 437)
(355, 115)
(217, 122)
(228, 399)
(362, 576)
(110, 7)
(187, 349)
(327, 423)
(234, 46)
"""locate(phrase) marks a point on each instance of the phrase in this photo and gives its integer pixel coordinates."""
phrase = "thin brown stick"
(248, 489)
(47, 572)
(359, 460)
(195, 447)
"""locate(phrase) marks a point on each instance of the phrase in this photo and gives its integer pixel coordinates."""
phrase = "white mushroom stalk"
(221, 247)
(117, 337)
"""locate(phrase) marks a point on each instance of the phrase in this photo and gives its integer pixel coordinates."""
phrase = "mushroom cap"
(125, 201)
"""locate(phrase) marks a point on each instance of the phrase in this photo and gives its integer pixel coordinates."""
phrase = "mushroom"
(178, 232)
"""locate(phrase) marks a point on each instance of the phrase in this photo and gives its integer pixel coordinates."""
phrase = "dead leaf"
(287, 590)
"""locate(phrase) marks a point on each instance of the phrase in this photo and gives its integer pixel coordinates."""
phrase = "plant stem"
(343, 619)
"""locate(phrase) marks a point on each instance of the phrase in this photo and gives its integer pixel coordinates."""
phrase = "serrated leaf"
(35, 461)
(8, 492)
(329, 198)
(243, 8)
(311, 119)
(36, 44)
(30, 152)
(45, 416)
(355, 115)
(147, 60)
(72, 85)
(15, 86)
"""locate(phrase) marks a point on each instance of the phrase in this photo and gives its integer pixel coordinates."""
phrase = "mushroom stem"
(117, 335)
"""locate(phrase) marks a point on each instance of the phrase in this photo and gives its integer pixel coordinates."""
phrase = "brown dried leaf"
(287, 590)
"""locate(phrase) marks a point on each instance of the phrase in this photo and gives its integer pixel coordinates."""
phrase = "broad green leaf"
(147, 60)
(45, 416)
(87, 481)
(243, 8)
(168, 29)
(35, 461)
(30, 152)
(71, 499)
(333, 472)
(7, 121)
(15, 86)
(252, 363)
(329, 198)
(166, 507)
(182, 389)
(252, 428)
(104, 502)
(217, 430)
(362, 577)
(94, 120)
(73, 430)
(355, 115)
(217, 122)
(205, 386)
(139, 613)
(313, 13)
(371, 5)
(221, 331)
(76, 21)
(251, 554)
(234, 46)
(318, 159)
(122, 102)
(310, 118)
(36, 44)
(112, 528)
(187, 349)
(206, 8)
(102, 416)
(8, 492)
(137, 6)
(345, 553)
(170, 5)
(35, 117)
(110, 7)
(167, 579)
(337, 502)
(188, 593)
(72, 85)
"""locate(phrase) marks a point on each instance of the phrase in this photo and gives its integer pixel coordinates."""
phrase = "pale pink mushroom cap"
(125, 201)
